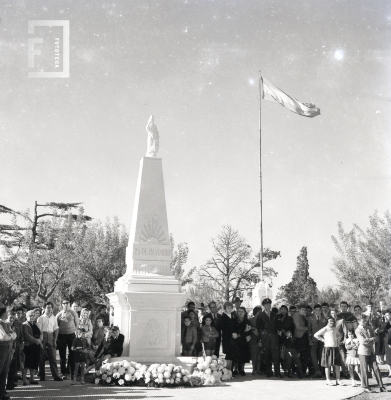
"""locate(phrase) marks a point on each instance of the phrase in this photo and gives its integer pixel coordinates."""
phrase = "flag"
(273, 93)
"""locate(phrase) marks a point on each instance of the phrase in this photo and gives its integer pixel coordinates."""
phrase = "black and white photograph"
(195, 199)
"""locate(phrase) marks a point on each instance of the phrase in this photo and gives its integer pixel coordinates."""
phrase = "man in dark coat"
(267, 328)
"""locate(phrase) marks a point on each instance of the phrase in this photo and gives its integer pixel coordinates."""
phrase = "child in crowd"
(189, 337)
(209, 334)
(291, 354)
(330, 355)
(352, 360)
(80, 346)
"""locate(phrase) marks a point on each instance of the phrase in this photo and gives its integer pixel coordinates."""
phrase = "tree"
(302, 288)
(231, 270)
(178, 260)
(203, 290)
(37, 254)
(363, 264)
(100, 259)
(331, 295)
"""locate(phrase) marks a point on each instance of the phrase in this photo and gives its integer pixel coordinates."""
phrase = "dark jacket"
(227, 328)
(290, 343)
(266, 324)
(191, 335)
(118, 345)
(27, 333)
(285, 324)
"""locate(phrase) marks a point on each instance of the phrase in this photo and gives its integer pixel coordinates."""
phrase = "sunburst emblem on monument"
(152, 232)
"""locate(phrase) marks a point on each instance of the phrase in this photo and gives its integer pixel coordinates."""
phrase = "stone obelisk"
(148, 298)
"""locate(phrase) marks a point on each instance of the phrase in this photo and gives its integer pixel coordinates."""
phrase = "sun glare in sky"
(339, 55)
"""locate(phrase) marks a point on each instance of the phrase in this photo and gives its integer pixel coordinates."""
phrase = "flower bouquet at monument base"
(210, 371)
(129, 373)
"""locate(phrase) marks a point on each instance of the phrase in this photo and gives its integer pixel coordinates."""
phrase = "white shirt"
(3, 336)
(47, 324)
(330, 336)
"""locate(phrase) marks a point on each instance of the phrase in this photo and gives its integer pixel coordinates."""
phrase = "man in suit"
(267, 328)
(315, 323)
(216, 318)
(366, 353)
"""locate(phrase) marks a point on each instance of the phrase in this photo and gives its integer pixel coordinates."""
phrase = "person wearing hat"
(267, 328)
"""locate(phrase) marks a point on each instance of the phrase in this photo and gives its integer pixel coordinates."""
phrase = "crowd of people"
(296, 341)
(29, 337)
(300, 340)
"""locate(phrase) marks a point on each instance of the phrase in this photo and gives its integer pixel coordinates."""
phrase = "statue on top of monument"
(153, 138)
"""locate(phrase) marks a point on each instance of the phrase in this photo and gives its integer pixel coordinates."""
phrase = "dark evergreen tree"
(302, 288)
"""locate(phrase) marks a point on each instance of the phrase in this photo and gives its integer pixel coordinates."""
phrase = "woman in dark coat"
(240, 337)
(227, 326)
(32, 337)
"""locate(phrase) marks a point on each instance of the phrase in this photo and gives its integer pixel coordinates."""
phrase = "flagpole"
(260, 174)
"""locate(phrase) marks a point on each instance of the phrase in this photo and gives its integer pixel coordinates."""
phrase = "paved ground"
(248, 387)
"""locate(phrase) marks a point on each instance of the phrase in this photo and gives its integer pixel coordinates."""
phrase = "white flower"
(121, 382)
(108, 380)
(97, 380)
(116, 375)
(128, 377)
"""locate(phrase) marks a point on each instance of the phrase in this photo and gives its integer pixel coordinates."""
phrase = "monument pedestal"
(151, 323)
(147, 300)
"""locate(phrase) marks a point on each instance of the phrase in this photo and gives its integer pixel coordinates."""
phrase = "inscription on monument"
(151, 252)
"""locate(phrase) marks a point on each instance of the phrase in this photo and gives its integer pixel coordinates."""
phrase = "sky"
(194, 66)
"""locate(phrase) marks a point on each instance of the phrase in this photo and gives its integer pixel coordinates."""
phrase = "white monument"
(262, 290)
(147, 299)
